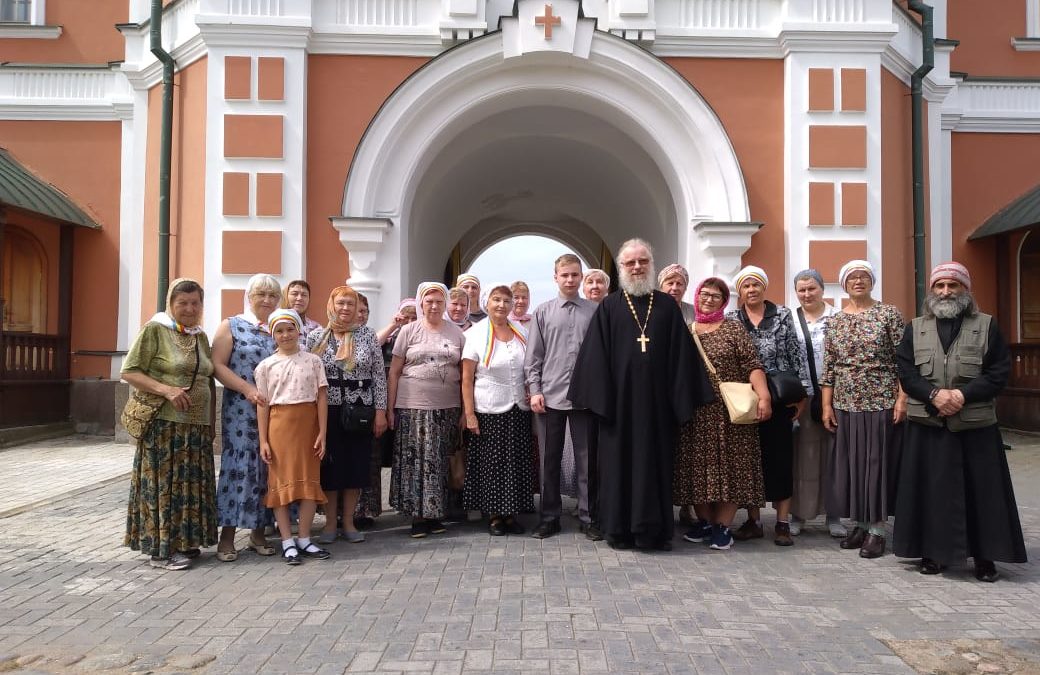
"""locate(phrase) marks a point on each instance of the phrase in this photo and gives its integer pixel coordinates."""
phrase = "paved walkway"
(73, 600)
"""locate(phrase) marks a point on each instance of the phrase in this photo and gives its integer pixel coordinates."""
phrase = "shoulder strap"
(700, 348)
(808, 347)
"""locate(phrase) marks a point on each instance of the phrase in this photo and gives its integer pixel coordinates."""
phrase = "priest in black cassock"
(639, 372)
(954, 497)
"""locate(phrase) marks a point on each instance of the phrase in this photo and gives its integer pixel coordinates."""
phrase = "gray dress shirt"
(556, 330)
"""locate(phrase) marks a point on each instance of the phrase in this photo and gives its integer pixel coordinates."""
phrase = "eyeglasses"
(709, 296)
(629, 264)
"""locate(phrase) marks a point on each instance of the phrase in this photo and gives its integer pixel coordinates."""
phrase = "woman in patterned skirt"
(240, 344)
(424, 408)
(719, 465)
(354, 370)
(862, 402)
(498, 417)
(172, 511)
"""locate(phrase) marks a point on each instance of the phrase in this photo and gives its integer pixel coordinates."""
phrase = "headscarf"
(720, 313)
(285, 316)
(950, 270)
(345, 354)
(674, 268)
(406, 303)
(166, 319)
(247, 311)
(429, 287)
(856, 266)
(750, 272)
(463, 278)
(809, 274)
(518, 332)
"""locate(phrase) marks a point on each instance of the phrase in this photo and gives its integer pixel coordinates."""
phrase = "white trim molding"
(42, 92)
(29, 31)
(993, 106)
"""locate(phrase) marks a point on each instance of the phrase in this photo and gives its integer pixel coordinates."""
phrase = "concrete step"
(39, 432)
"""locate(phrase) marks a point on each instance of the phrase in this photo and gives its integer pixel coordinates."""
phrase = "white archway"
(632, 115)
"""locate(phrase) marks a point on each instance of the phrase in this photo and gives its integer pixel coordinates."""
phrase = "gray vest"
(953, 369)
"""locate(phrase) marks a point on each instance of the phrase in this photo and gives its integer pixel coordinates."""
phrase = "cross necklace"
(642, 339)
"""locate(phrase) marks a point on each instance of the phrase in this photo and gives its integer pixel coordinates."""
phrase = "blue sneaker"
(701, 532)
(721, 539)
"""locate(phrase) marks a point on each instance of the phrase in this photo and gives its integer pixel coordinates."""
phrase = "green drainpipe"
(917, 147)
(165, 149)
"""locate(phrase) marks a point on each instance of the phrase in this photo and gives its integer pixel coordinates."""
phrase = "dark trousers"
(552, 434)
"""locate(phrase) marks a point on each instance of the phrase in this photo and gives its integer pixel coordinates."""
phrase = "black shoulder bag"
(816, 405)
(355, 417)
(785, 386)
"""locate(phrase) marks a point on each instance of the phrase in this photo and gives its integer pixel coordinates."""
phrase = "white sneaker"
(796, 526)
(176, 562)
(836, 529)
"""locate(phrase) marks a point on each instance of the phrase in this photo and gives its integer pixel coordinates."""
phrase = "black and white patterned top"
(368, 365)
(776, 339)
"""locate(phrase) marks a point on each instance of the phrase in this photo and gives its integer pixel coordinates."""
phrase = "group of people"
(849, 414)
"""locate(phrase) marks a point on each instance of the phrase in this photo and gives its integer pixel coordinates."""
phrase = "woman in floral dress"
(862, 402)
(240, 344)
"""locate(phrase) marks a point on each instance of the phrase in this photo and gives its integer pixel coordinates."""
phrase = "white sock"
(303, 543)
(286, 543)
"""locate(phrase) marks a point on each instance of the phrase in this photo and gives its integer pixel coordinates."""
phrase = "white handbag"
(740, 399)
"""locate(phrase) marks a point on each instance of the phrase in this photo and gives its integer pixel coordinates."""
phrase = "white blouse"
(817, 331)
(500, 385)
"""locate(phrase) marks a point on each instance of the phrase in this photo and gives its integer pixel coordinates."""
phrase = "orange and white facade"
(373, 140)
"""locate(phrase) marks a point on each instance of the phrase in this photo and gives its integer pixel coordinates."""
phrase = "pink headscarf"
(719, 313)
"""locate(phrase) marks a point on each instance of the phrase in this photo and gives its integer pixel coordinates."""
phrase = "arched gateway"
(582, 137)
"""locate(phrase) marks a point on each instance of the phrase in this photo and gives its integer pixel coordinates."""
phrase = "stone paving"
(73, 600)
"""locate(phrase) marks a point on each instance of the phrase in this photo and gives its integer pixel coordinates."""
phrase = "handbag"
(740, 398)
(457, 469)
(143, 407)
(816, 404)
(785, 386)
(355, 417)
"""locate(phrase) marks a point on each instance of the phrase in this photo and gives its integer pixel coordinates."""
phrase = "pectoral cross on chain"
(642, 340)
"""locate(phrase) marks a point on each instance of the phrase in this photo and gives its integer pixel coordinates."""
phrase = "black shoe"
(312, 550)
(364, 523)
(701, 531)
(497, 528)
(619, 543)
(434, 526)
(419, 529)
(291, 555)
(591, 532)
(546, 529)
(513, 526)
(986, 571)
(929, 566)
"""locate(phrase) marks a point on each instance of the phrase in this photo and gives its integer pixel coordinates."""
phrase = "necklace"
(642, 339)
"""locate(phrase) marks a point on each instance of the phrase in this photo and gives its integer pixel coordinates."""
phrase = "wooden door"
(24, 283)
(1029, 286)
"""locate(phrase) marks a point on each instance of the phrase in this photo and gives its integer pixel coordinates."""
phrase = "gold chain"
(642, 339)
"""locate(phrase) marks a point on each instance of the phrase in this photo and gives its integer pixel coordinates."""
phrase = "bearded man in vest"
(955, 497)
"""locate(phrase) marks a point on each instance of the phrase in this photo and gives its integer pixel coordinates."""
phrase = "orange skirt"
(295, 471)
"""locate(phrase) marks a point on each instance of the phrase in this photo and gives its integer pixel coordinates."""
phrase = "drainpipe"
(917, 148)
(165, 149)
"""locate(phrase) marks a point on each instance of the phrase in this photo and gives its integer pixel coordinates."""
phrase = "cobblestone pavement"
(73, 600)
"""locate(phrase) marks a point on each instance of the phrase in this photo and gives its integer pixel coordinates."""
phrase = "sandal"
(261, 548)
(291, 555)
(227, 556)
(312, 550)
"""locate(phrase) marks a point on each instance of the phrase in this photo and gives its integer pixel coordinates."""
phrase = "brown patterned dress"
(717, 461)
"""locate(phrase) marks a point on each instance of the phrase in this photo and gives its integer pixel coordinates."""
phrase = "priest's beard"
(643, 286)
(949, 308)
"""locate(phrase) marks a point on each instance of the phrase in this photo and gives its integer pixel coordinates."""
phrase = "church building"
(386, 142)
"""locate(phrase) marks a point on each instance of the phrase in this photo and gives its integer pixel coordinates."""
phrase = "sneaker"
(721, 538)
(836, 529)
(687, 517)
(434, 526)
(175, 563)
(701, 531)
(749, 530)
(419, 529)
(796, 526)
(782, 534)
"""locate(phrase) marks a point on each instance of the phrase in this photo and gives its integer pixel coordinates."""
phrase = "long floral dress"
(718, 461)
(242, 486)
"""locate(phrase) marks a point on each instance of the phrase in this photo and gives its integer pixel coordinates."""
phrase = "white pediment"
(541, 26)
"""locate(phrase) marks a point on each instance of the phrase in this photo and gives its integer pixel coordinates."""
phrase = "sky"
(527, 258)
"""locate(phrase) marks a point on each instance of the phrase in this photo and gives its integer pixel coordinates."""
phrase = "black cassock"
(954, 497)
(641, 399)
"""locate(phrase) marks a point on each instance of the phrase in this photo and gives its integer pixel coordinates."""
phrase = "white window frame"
(1033, 18)
(37, 13)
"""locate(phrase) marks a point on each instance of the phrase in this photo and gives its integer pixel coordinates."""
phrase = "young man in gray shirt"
(556, 330)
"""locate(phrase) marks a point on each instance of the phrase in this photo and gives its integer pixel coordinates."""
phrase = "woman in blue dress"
(240, 344)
